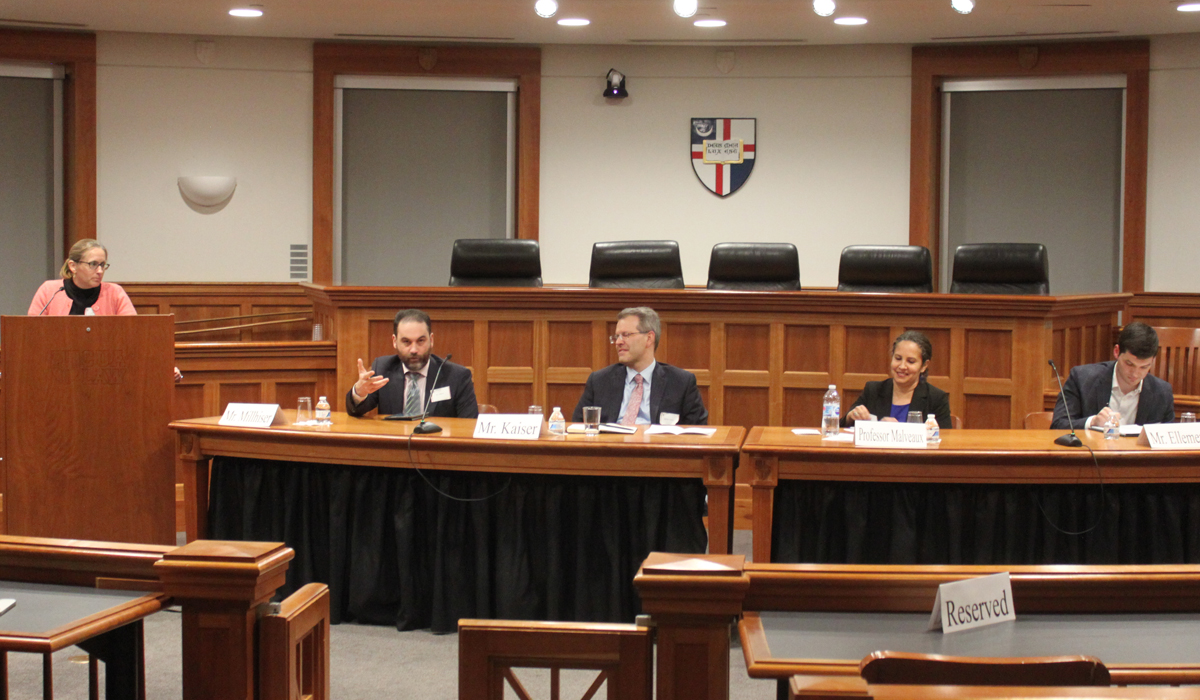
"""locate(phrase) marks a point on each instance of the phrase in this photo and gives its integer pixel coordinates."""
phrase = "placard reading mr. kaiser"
(509, 426)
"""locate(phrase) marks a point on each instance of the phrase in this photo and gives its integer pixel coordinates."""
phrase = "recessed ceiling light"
(1189, 7)
(963, 6)
(250, 11)
(686, 8)
(709, 23)
(574, 22)
(850, 21)
(824, 7)
(545, 8)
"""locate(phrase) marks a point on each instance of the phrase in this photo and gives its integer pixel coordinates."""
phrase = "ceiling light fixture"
(248, 11)
(824, 7)
(1189, 7)
(686, 8)
(574, 22)
(545, 8)
(850, 21)
(963, 6)
(709, 23)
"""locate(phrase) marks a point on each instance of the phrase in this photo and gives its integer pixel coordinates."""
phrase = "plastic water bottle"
(324, 417)
(831, 416)
(933, 431)
(1112, 429)
(558, 424)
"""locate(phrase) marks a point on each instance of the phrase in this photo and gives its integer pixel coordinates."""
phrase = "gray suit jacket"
(390, 398)
(671, 389)
(1089, 387)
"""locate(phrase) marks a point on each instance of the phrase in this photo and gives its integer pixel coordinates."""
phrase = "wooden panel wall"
(207, 300)
(215, 374)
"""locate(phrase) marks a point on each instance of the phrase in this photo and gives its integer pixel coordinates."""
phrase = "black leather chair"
(495, 262)
(765, 267)
(1001, 268)
(636, 265)
(896, 269)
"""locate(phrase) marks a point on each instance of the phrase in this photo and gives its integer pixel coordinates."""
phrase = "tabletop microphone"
(1070, 439)
(426, 428)
(50, 300)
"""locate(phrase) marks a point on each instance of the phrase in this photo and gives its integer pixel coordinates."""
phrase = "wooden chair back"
(293, 651)
(932, 669)
(490, 650)
(955, 422)
(1178, 361)
(1039, 420)
(488, 408)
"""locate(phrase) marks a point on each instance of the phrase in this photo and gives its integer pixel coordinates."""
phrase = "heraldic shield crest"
(722, 152)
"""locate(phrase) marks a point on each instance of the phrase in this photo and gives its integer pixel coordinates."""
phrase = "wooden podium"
(87, 453)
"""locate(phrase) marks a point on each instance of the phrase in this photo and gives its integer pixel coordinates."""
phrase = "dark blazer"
(1089, 387)
(671, 389)
(926, 398)
(390, 398)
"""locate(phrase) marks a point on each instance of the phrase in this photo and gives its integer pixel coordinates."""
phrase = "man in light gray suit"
(639, 389)
(1093, 392)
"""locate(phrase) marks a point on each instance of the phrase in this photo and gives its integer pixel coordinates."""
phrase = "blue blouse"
(900, 413)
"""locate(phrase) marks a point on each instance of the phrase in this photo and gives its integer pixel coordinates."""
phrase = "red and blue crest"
(722, 152)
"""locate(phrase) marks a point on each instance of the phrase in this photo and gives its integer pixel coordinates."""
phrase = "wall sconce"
(207, 190)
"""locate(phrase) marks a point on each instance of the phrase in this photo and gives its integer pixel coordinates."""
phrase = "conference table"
(421, 530)
(978, 497)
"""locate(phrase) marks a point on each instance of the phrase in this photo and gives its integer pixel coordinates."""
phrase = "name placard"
(508, 426)
(975, 602)
(869, 433)
(252, 415)
(1171, 436)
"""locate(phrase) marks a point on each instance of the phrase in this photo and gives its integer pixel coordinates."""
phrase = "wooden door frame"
(331, 59)
(931, 65)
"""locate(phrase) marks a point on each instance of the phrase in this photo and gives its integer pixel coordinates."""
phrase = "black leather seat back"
(1001, 268)
(766, 267)
(495, 262)
(895, 269)
(636, 265)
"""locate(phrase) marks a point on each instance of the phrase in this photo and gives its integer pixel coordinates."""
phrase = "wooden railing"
(293, 647)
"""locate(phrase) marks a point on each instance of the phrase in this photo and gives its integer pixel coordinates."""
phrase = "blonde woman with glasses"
(82, 290)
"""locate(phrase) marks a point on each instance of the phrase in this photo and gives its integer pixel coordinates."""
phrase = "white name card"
(508, 426)
(975, 602)
(252, 415)
(1171, 436)
(869, 433)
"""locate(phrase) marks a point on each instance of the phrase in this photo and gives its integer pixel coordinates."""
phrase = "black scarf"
(81, 299)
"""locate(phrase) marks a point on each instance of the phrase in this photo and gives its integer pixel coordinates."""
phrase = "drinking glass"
(1188, 417)
(915, 417)
(304, 413)
(538, 410)
(591, 420)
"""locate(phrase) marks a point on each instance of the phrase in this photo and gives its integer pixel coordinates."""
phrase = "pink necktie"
(635, 402)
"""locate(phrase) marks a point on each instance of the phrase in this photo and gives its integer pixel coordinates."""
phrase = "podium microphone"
(426, 428)
(51, 299)
(1070, 439)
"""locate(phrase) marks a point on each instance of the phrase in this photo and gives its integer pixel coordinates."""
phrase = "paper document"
(805, 431)
(604, 428)
(677, 430)
(1131, 430)
(840, 437)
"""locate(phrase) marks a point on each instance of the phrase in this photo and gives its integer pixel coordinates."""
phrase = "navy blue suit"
(1089, 387)
(672, 390)
(390, 398)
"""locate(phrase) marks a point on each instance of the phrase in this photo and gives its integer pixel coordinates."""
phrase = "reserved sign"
(252, 415)
(869, 433)
(1171, 436)
(975, 602)
(508, 426)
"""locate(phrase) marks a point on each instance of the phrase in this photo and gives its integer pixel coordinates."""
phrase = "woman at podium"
(82, 290)
(906, 390)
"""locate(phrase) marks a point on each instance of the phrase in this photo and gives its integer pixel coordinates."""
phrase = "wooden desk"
(1015, 469)
(826, 688)
(359, 474)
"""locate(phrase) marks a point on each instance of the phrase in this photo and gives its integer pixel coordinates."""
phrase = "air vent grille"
(298, 261)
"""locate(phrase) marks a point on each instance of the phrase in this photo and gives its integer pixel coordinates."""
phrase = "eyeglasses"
(95, 265)
(612, 339)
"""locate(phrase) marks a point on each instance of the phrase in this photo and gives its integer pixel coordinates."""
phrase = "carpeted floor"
(367, 662)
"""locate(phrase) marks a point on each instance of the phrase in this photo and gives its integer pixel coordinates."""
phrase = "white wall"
(1173, 195)
(831, 153)
(162, 114)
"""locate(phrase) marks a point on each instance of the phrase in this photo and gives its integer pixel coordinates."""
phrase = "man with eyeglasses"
(639, 389)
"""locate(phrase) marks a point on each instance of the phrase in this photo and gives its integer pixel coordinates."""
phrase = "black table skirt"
(889, 523)
(393, 551)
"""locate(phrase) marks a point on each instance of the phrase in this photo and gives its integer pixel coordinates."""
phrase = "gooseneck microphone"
(1070, 439)
(426, 428)
(51, 299)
